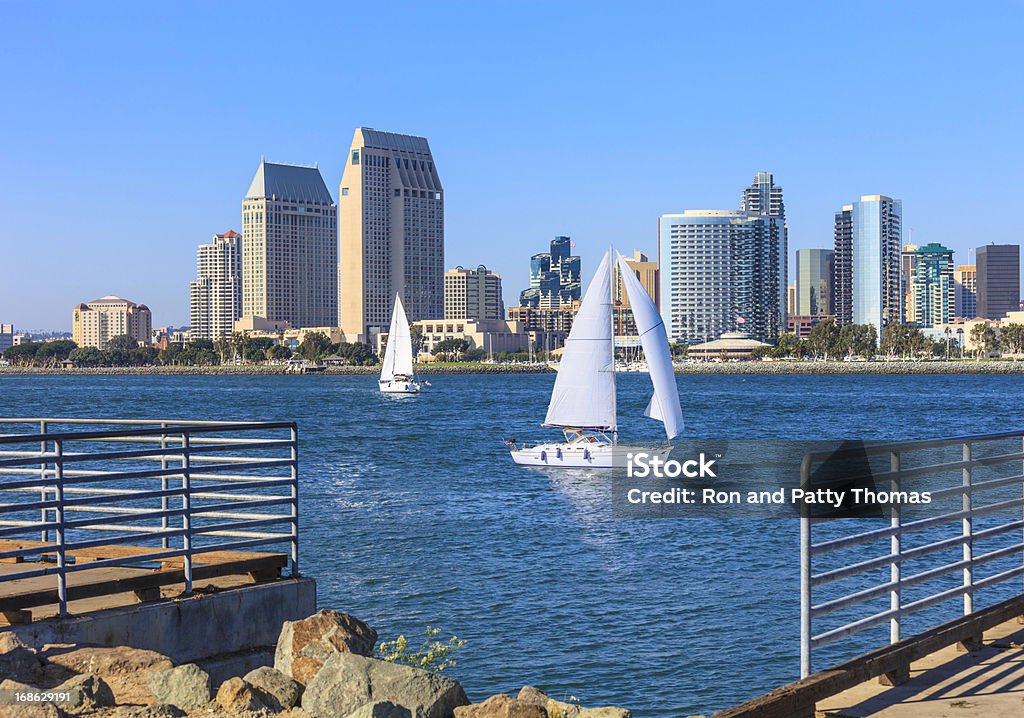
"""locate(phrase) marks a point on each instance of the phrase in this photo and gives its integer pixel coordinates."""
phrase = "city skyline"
(101, 154)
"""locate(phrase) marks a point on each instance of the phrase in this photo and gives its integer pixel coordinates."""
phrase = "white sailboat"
(583, 399)
(396, 375)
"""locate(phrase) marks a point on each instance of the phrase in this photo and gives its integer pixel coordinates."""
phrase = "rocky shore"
(741, 367)
(324, 667)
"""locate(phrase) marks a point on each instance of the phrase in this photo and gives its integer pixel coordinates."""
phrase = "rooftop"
(298, 183)
(393, 141)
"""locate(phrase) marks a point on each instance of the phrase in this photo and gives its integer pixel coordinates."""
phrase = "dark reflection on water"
(413, 513)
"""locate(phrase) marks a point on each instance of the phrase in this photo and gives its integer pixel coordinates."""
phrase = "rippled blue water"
(412, 513)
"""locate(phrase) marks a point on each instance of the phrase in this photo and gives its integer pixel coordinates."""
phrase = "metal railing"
(125, 492)
(976, 504)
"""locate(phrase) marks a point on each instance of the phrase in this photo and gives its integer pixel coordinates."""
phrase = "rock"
(501, 706)
(347, 681)
(160, 710)
(276, 685)
(9, 641)
(39, 710)
(237, 696)
(86, 691)
(186, 687)
(381, 709)
(19, 662)
(558, 709)
(126, 670)
(305, 645)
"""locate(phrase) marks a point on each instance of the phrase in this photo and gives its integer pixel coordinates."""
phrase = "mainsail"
(584, 393)
(664, 405)
(398, 355)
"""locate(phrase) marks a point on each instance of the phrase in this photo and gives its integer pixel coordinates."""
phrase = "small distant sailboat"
(583, 399)
(396, 375)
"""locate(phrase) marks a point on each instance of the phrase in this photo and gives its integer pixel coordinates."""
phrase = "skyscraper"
(215, 295)
(814, 282)
(647, 272)
(866, 282)
(391, 230)
(707, 276)
(723, 270)
(907, 258)
(966, 280)
(554, 277)
(289, 247)
(998, 280)
(473, 294)
(932, 295)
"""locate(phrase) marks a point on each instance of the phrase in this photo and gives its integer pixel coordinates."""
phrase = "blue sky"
(129, 132)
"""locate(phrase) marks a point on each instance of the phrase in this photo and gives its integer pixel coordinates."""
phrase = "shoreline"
(747, 367)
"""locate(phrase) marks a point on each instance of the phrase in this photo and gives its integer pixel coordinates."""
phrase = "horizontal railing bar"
(269, 501)
(850, 628)
(156, 431)
(902, 447)
(976, 488)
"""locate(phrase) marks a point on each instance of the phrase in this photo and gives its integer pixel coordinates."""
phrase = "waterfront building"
(554, 277)
(6, 337)
(494, 336)
(998, 271)
(473, 294)
(95, 323)
(801, 326)
(215, 296)
(292, 337)
(907, 258)
(289, 247)
(391, 232)
(722, 270)
(965, 279)
(931, 292)
(646, 272)
(731, 346)
(814, 282)
(867, 288)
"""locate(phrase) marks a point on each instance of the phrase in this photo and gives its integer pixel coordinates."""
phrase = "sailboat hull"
(574, 456)
(400, 387)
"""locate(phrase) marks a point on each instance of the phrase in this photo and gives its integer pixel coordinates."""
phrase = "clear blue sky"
(129, 132)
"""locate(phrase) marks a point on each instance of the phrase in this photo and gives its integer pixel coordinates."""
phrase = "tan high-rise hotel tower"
(391, 232)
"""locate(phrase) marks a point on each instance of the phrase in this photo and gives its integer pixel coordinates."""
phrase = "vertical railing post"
(165, 522)
(895, 551)
(44, 535)
(805, 577)
(968, 530)
(58, 482)
(295, 499)
(186, 505)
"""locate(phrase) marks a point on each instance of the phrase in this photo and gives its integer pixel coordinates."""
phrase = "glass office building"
(813, 282)
(932, 289)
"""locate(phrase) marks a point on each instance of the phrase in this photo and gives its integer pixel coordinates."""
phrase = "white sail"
(584, 393)
(664, 405)
(398, 354)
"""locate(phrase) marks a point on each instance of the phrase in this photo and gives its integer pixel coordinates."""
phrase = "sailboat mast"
(611, 320)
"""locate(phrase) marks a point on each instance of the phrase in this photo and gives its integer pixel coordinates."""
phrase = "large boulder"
(347, 681)
(273, 684)
(18, 662)
(185, 687)
(501, 706)
(537, 697)
(238, 696)
(126, 670)
(304, 646)
(85, 692)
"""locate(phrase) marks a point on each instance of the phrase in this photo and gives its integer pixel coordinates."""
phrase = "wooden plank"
(15, 618)
(98, 553)
(799, 697)
(95, 586)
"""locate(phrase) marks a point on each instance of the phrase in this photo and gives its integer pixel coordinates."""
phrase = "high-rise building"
(647, 272)
(998, 280)
(708, 283)
(907, 258)
(867, 288)
(554, 277)
(289, 247)
(6, 336)
(391, 229)
(768, 258)
(95, 323)
(814, 282)
(763, 197)
(215, 296)
(791, 299)
(966, 280)
(932, 295)
(473, 294)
